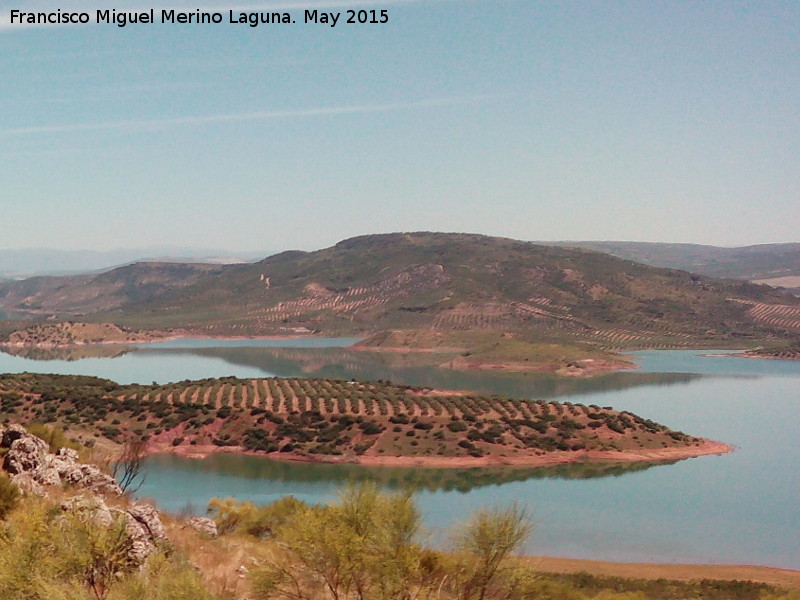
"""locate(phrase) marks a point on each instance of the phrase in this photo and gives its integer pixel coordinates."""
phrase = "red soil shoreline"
(705, 448)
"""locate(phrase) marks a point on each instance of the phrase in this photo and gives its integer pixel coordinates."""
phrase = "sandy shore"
(705, 448)
(785, 578)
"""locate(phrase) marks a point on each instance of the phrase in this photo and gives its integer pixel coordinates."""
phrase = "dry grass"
(224, 562)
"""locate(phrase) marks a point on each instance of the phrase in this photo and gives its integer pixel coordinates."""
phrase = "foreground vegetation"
(64, 541)
(366, 546)
(317, 418)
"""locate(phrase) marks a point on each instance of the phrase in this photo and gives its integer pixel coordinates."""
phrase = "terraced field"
(345, 420)
(780, 316)
(458, 286)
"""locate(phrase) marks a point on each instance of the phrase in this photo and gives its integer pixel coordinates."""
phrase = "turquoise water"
(297, 342)
(738, 508)
(161, 362)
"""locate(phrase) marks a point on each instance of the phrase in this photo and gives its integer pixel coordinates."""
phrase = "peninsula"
(326, 420)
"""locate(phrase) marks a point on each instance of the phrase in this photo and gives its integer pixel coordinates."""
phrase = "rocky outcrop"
(145, 530)
(91, 478)
(33, 468)
(149, 519)
(141, 522)
(29, 455)
(204, 525)
(90, 509)
(10, 434)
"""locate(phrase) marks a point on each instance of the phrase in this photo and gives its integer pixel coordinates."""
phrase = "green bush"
(46, 554)
(371, 428)
(54, 436)
(245, 517)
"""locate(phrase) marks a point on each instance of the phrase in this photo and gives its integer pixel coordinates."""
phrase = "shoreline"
(588, 367)
(777, 576)
(656, 455)
(746, 354)
(154, 339)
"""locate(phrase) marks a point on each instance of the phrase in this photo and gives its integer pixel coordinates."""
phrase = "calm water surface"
(743, 507)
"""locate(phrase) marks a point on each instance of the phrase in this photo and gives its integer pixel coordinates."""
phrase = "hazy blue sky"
(641, 120)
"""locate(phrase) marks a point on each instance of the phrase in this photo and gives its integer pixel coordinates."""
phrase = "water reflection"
(211, 470)
(69, 354)
(419, 369)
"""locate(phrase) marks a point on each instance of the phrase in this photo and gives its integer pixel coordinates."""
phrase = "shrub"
(162, 580)
(258, 439)
(48, 555)
(232, 515)
(9, 496)
(366, 542)
(363, 447)
(54, 436)
(486, 542)
(370, 428)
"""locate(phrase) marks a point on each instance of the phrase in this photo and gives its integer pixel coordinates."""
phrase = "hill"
(33, 262)
(443, 287)
(774, 264)
(323, 419)
(69, 334)
(457, 282)
(91, 293)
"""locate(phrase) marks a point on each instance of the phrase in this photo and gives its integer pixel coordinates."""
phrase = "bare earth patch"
(778, 577)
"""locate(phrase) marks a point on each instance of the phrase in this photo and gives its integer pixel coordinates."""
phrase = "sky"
(671, 121)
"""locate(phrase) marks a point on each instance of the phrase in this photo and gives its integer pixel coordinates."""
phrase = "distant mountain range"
(431, 282)
(773, 264)
(31, 262)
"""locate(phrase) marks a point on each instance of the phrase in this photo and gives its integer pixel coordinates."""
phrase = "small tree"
(487, 540)
(363, 547)
(127, 469)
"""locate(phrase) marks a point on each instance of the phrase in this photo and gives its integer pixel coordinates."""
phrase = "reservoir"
(738, 508)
